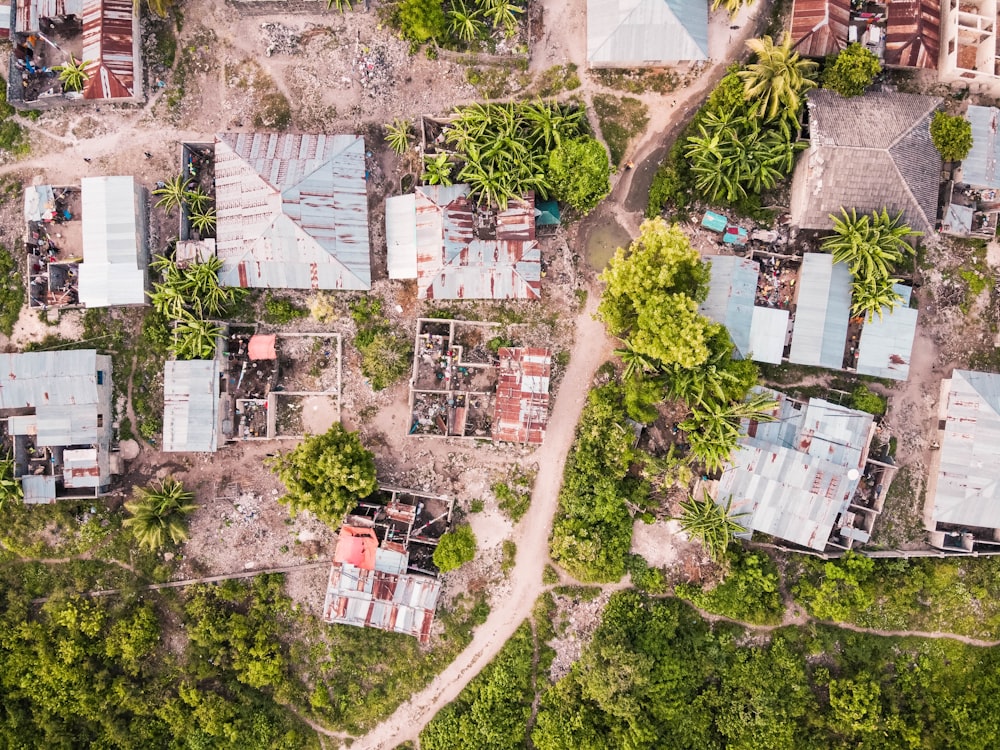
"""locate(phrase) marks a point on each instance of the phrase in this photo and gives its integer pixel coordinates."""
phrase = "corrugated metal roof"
(109, 31)
(401, 236)
(113, 271)
(887, 342)
(394, 601)
(455, 262)
(82, 468)
(521, 409)
(646, 32)
(27, 13)
(792, 476)
(822, 312)
(39, 489)
(33, 379)
(968, 484)
(819, 27)
(190, 405)
(768, 331)
(957, 219)
(731, 292)
(292, 211)
(979, 168)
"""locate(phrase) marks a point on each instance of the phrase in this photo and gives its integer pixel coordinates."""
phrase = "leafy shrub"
(385, 355)
(852, 71)
(952, 136)
(12, 292)
(508, 556)
(580, 173)
(864, 399)
(514, 498)
(749, 592)
(421, 20)
(281, 310)
(455, 548)
(644, 577)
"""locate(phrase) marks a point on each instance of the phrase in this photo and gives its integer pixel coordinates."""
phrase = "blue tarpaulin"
(715, 222)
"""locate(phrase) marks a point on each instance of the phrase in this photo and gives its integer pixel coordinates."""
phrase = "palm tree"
(73, 74)
(10, 486)
(778, 78)
(341, 5)
(158, 512)
(203, 220)
(195, 338)
(196, 199)
(437, 170)
(712, 524)
(173, 194)
(502, 13)
(465, 24)
(167, 300)
(732, 6)
(713, 429)
(871, 246)
(397, 135)
(870, 297)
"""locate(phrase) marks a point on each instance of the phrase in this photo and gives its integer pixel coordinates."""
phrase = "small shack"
(191, 406)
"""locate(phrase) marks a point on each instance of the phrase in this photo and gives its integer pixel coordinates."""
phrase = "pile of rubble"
(375, 66)
(280, 39)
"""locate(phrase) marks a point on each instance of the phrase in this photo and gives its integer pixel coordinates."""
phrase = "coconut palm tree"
(777, 79)
(465, 24)
(871, 246)
(437, 169)
(173, 194)
(712, 524)
(397, 135)
(713, 429)
(73, 74)
(159, 512)
(197, 199)
(502, 13)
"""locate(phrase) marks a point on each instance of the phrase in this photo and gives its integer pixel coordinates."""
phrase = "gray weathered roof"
(768, 331)
(868, 152)
(886, 342)
(979, 168)
(190, 405)
(822, 312)
(968, 482)
(113, 271)
(33, 379)
(731, 290)
(646, 32)
(793, 477)
(292, 211)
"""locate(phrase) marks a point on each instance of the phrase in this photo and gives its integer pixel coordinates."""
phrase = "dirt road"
(590, 349)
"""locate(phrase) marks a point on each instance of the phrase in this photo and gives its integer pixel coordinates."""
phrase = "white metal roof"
(768, 330)
(823, 309)
(638, 32)
(401, 235)
(113, 269)
(190, 405)
(887, 342)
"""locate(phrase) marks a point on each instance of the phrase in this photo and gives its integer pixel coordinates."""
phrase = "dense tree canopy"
(852, 71)
(952, 136)
(455, 548)
(579, 171)
(327, 474)
(652, 297)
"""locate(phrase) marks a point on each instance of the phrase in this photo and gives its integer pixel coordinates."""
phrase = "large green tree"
(652, 296)
(455, 548)
(952, 136)
(327, 474)
(852, 71)
(777, 79)
(579, 172)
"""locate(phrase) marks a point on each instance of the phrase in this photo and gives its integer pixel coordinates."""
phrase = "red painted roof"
(108, 47)
(356, 546)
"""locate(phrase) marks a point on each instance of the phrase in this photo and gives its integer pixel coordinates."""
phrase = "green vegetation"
(514, 495)
(456, 24)
(12, 292)
(636, 81)
(851, 71)
(872, 247)
(281, 310)
(620, 119)
(592, 530)
(775, 82)
(732, 6)
(580, 173)
(713, 430)
(655, 675)
(385, 354)
(326, 474)
(557, 79)
(10, 487)
(159, 512)
(645, 578)
(550, 575)
(863, 399)
(952, 136)
(502, 150)
(73, 74)
(398, 135)
(749, 592)
(455, 548)
(508, 556)
(712, 525)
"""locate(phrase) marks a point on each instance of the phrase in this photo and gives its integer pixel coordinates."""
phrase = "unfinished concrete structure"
(969, 54)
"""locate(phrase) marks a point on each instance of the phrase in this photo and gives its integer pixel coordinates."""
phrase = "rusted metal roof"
(28, 13)
(465, 253)
(522, 396)
(913, 33)
(819, 27)
(109, 35)
(379, 598)
(292, 211)
(887, 341)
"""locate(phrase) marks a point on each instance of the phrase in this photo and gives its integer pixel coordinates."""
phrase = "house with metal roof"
(191, 406)
(58, 410)
(974, 206)
(521, 410)
(369, 586)
(886, 341)
(456, 249)
(969, 49)
(823, 311)
(797, 478)
(115, 239)
(963, 490)
(292, 211)
(868, 153)
(641, 33)
(104, 34)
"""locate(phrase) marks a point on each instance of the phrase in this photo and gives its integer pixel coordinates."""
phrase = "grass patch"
(385, 354)
(557, 79)
(507, 556)
(281, 310)
(514, 495)
(636, 81)
(12, 293)
(620, 119)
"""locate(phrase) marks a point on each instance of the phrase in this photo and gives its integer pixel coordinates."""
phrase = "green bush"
(749, 592)
(952, 136)
(864, 399)
(385, 355)
(646, 578)
(281, 310)
(455, 548)
(421, 20)
(852, 71)
(508, 557)
(12, 293)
